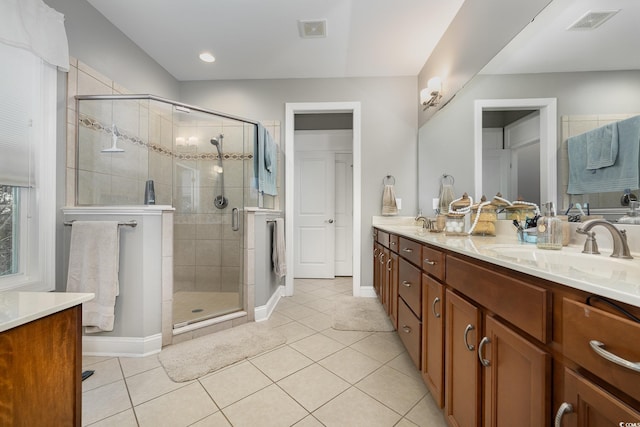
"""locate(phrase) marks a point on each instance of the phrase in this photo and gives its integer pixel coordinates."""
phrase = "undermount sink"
(570, 261)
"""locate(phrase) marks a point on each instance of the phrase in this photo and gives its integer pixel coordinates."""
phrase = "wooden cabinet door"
(393, 289)
(377, 256)
(386, 280)
(591, 406)
(517, 378)
(462, 368)
(433, 316)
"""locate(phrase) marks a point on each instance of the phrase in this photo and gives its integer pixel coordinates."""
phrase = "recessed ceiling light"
(207, 57)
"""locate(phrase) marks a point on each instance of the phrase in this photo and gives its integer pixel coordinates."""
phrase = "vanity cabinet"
(385, 282)
(40, 371)
(500, 347)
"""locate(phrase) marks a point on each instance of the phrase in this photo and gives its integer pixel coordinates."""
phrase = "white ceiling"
(546, 46)
(258, 39)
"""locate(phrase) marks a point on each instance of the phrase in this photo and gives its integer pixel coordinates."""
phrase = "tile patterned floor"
(321, 377)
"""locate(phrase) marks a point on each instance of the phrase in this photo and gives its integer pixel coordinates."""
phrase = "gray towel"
(389, 206)
(623, 174)
(602, 146)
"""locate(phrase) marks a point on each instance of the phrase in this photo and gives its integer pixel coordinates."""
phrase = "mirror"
(548, 45)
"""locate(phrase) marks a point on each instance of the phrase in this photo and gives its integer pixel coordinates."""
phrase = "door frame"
(548, 140)
(291, 109)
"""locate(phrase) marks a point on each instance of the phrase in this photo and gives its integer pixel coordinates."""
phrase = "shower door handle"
(235, 218)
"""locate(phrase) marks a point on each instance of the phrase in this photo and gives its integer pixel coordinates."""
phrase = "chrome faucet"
(620, 246)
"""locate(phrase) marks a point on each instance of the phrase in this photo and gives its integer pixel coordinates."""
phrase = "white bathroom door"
(314, 214)
(344, 214)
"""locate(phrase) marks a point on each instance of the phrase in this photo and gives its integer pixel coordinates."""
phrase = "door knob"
(330, 221)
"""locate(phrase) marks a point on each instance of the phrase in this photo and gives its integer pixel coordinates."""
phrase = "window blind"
(18, 90)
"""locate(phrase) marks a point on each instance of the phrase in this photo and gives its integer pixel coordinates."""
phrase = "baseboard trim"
(367, 291)
(263, 312)
(121, 346)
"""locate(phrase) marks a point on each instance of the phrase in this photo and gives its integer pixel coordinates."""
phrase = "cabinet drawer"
(526, 306)
(411, 250)
(433, 262)
(383, 238)
(409, 329)
(410, 286)
(394, 242)
(583, 324)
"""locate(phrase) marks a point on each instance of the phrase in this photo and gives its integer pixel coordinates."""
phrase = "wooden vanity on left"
(41, 358)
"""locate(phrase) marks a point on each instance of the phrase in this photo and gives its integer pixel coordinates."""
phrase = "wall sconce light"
(431, 95)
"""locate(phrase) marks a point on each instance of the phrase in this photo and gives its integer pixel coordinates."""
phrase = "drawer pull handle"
(381, 258)
(406, 329)
(466, 342)
(483, 342)
(406, 284)
(433, 307)
(407, 250)
(389, 264)
(565, 408)
(375, 252)
(428, 261)
(597, 346)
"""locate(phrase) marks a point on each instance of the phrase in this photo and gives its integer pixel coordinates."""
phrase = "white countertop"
(618, 279)
(18, 308)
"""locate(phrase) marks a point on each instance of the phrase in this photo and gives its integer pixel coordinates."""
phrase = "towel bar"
(132, 223)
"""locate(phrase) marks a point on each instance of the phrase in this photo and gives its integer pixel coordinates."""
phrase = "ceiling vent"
(592, 20)
(312, 29)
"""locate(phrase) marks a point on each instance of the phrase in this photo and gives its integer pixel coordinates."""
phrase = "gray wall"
(389, 128)
(99, 44)
(446, 141)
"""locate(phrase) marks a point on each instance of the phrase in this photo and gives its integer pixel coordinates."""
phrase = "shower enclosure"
(200, 162)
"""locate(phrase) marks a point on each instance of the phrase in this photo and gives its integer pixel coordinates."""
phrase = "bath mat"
(360, 314)
(192, 359)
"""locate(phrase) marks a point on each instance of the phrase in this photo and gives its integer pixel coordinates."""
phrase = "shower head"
(215, 142)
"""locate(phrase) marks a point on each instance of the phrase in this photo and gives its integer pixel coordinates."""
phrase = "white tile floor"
(321, 377)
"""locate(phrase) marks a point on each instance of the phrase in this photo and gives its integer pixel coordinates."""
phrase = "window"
(27, 171)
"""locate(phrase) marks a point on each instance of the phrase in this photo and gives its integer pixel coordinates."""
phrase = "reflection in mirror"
(518, 159)
(576, 125)
(511, 154)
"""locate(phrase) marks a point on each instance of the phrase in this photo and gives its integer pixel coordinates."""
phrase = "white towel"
(389, 206)
(93, 267)
(278, 249)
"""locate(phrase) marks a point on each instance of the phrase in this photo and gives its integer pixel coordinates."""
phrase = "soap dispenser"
(549, 229)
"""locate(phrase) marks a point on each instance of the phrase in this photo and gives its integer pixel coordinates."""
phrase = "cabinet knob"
(469, 328)
(483, 342)
(406, 329)
(565, 408)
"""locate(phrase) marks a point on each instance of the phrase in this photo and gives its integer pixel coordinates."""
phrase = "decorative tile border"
(93, 124)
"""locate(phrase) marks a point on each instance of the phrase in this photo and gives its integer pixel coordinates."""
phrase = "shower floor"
(190, 307)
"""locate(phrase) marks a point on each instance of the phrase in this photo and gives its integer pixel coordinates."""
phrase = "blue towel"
(623, 174)
(602, 146)
(265, 161)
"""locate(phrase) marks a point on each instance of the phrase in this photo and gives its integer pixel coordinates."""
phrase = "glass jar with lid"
(483, 218)
(455, 220)
(521, 210)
